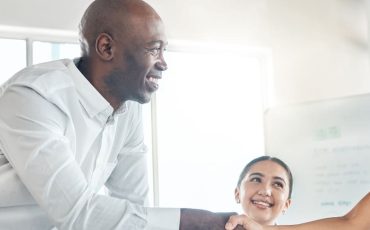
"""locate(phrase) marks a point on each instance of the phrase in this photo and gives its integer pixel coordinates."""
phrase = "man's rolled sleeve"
(163, 218)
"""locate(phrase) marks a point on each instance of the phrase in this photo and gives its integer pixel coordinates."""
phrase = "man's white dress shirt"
(60, 143)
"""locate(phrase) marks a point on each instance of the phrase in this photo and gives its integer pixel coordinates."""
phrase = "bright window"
(12, 57)
(210, 124)
(47, 51)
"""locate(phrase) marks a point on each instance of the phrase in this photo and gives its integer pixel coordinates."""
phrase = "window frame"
(60, 36)
(30, 34)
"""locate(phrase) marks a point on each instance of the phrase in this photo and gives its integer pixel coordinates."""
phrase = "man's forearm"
(195, 219)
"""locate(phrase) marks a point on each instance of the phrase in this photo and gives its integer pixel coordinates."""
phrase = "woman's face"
(264, 192)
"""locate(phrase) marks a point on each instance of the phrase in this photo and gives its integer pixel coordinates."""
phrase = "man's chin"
(143, 99)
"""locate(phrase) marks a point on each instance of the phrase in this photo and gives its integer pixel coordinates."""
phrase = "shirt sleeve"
(31, 137)
(157, 216)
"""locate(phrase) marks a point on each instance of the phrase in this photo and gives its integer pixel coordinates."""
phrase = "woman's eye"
(255, 179)
(279, 185)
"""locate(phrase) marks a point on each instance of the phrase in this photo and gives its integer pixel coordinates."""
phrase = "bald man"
(70, 127)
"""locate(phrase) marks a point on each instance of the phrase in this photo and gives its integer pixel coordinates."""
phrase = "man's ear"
(104, 46)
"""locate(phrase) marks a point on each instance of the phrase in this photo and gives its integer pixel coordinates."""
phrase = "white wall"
(320, 47)
(63, 15)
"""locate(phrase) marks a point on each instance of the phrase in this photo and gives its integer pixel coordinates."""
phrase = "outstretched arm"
(358, 218)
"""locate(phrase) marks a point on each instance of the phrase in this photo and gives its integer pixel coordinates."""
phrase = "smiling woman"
(264, 189)
(357, 218)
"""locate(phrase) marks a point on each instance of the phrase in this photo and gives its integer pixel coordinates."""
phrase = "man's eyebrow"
(157, 42)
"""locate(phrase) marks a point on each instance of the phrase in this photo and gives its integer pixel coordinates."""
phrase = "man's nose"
(161, 64)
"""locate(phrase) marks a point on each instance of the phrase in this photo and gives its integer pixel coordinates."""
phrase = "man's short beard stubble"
(115, 83)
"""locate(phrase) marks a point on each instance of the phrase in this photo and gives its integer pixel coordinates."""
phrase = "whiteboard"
(327, 146)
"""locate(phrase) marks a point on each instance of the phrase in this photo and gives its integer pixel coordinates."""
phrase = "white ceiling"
(51, 14)
(314, 42)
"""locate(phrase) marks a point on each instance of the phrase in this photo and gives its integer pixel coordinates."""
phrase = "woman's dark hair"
(267, 158)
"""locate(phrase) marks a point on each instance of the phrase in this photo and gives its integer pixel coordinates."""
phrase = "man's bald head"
(122, 45)
(114, 17)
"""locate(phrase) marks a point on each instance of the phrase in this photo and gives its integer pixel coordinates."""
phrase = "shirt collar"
(93, 102)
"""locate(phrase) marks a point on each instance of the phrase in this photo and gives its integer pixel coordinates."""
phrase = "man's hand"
(236, 221)
(195, 219)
